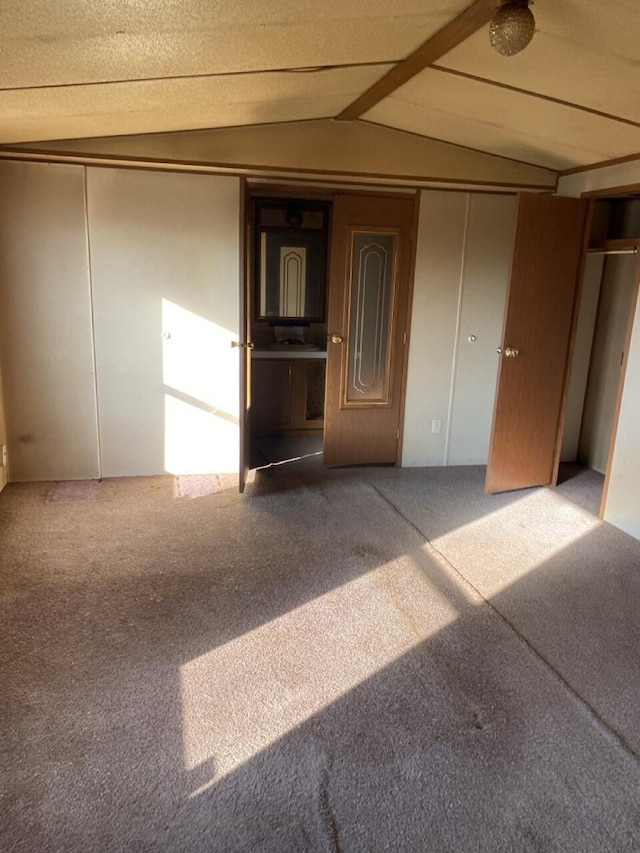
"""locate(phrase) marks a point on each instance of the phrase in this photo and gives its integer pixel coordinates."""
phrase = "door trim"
(562, 418)
(413, 251)
(244, 352)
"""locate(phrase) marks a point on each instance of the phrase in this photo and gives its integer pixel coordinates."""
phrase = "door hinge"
(398, 435)
(404, 338)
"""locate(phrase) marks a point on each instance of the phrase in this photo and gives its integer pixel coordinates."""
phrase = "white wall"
(465, 242)
(623, 501)
(45, 323)
(618, 287)
(165, 271)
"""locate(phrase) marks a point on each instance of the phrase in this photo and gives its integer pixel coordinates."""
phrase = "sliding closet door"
(165, 269)
(45, 323)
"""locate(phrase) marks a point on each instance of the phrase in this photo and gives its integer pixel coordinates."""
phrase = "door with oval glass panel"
(369, 290)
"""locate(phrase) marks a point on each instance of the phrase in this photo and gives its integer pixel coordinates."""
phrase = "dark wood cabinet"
(287, 396)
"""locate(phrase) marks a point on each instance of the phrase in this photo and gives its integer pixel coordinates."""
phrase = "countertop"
(288, 354)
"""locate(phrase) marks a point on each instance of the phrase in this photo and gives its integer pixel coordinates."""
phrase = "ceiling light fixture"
(512, 27)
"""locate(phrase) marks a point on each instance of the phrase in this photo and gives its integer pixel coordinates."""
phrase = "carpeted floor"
(347, 660)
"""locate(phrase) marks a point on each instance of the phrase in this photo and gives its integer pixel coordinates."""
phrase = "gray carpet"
(348, 660)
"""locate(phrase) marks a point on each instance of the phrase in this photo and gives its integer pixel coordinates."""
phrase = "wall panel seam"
(93, 322)
(456, 338)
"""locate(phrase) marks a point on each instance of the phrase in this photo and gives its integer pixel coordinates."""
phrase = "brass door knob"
(336, 339)
(510, 352)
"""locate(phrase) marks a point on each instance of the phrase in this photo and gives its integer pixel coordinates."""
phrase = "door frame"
(244, 351)
(252, 187)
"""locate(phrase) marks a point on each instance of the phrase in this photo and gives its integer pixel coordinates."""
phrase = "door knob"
(510, 352)
(336, 339)
(242, 344)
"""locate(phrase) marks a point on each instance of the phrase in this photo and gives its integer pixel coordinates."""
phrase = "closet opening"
(610, 290)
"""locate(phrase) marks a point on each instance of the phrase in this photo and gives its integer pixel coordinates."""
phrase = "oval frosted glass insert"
(373, 265)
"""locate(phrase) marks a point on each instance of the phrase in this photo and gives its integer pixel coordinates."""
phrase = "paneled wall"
(120, 302)
(462, 272)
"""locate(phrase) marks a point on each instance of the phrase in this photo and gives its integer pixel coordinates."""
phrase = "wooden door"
(537, 342)
(369, 288)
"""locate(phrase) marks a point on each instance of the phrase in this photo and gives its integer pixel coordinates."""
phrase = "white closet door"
(45, 323)
(165, 269)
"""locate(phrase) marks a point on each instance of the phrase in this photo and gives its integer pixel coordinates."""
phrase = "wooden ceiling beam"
(477, 15)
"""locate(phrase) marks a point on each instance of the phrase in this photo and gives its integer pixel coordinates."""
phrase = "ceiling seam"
(527, 92)
(182, 131)
(209, 75)
(460, 145)
(472, 122)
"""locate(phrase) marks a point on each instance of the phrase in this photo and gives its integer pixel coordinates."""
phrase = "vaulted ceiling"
(100, 68)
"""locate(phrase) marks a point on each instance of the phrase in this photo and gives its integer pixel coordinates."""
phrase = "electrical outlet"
(436, 425)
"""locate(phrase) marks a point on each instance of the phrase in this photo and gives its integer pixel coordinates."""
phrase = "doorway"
(287, 295)
(328, 291)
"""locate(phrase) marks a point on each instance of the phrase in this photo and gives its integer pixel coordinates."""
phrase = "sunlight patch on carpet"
(511, 542)
(196, 486)
(244, 696)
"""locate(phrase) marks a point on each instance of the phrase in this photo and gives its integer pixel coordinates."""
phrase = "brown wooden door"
(369, 287)
(537, 342)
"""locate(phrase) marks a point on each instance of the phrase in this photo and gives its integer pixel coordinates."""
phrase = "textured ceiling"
(151, 106)
(87, 69)
(586, 52)
(86, 41)
(500, 121)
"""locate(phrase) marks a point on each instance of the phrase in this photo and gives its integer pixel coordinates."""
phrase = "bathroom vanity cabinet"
(287, 393)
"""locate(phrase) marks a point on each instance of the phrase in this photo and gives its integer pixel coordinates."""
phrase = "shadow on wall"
(268, 674)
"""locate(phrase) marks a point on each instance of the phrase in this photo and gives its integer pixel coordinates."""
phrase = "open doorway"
(287, 300)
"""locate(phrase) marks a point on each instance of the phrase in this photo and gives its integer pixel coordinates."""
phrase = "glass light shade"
(512, 27)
